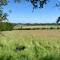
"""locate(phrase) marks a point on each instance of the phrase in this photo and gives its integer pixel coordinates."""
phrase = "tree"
(3, 16)
(58, 20)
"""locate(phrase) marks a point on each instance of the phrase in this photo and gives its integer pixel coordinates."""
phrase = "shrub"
(52, 28)
(58, 27)
(6, 26)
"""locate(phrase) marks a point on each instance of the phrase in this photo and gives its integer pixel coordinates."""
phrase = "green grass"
(30, 45)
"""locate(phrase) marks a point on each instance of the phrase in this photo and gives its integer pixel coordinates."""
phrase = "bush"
(6, 26)
(52, 28)
(58, 27)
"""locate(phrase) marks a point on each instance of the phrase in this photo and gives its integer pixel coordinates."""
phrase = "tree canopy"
(36, 3)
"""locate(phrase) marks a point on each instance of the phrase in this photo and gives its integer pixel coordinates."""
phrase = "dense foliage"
(6, 26)
(3, 17)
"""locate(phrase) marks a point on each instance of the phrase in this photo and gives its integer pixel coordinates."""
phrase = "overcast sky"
(22, 13)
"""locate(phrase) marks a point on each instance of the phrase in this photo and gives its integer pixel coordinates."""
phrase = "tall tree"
(3, 16)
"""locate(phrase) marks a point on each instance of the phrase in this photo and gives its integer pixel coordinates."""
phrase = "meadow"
(30, 45)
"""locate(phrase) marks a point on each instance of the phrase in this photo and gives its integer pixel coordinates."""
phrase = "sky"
(22, 12)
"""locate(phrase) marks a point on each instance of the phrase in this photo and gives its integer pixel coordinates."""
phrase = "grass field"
(30, 45)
